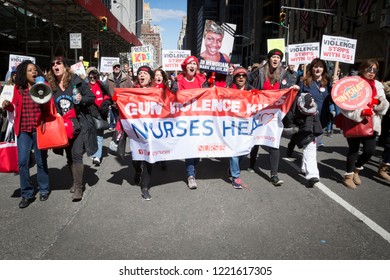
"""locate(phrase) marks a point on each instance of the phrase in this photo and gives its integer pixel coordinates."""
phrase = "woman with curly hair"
(27, 113)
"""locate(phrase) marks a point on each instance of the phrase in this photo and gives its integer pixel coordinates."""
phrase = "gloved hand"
(367, 112)
(374, 101)
(381, 105)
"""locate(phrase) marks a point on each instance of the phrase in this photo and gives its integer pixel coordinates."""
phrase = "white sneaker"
(96, 161)
(192, 183)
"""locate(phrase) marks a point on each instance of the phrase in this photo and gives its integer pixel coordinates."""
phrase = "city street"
(214, 222)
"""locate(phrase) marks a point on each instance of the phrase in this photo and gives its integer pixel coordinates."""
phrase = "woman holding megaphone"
(73, 97)
(27, 113)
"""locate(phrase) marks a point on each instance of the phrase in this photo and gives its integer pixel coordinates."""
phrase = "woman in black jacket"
(73, 98)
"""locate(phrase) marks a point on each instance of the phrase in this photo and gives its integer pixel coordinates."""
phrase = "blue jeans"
(235, 166)
(98, 153)
(191, 163)
(112, 119)
(27, 142)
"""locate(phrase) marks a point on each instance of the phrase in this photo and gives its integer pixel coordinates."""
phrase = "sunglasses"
(240, 76)
(57, 62)
(92, 78)
(116, 67)
(371, 69)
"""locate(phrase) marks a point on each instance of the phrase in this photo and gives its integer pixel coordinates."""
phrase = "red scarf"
(374, 100)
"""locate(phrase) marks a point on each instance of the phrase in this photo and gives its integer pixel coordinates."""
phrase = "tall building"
(125, 12)
(180, 42)
(257, 21)
(150, 35)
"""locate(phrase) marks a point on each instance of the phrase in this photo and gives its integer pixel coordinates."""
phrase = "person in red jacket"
(102, 102)
(190, 78)
(27, 113)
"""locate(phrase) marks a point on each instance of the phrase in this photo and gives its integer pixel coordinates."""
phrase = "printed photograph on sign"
(217, 46)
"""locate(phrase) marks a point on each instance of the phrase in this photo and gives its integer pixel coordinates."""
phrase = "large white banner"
(303, 53)
(15, 60)
(338, 49)
(210, 122)
(172, 59)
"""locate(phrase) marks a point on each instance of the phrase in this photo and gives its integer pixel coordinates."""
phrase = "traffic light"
(104, 24)
(282, 17)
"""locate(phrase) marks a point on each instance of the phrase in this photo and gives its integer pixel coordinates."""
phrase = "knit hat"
(188, 60)
(240, 70)
(275, 52)
(146, 68)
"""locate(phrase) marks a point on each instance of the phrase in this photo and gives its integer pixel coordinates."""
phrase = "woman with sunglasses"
(376, 108)
(240, 77)
(78, 121)
(101, 109)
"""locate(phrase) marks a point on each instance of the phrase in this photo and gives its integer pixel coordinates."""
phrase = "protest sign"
(205, 122)
(15, 60)
(338, 49)
(106, 64)
(303, 53)
(141, 56)
(172, 59)
(217, 46)
(276, 44)
(351, 93)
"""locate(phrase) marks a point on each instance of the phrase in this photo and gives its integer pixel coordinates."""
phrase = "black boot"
(78, 171)
(145, 184)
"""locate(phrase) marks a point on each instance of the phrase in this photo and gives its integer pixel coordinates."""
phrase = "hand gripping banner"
(203, 123)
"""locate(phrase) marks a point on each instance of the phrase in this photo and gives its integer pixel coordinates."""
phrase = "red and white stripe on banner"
(205, 122)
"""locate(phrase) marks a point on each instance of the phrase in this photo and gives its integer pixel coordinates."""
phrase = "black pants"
(353, 158)
(147, 167)
(274, 155)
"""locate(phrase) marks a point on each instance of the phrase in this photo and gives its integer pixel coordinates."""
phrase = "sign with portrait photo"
(217, 46)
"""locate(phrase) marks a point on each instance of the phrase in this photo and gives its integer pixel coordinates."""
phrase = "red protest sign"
(351, 93)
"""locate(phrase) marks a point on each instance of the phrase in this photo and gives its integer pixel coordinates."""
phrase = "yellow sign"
(276, 44)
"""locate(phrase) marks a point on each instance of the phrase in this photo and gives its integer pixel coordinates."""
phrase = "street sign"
(75, 41)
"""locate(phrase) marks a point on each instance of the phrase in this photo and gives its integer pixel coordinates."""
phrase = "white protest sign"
(338, 49)
(75, 41)
(106, 64)
(7, 93)
(141, 56)
(303, 53)
(172, 59)
(15, 60)
(78, 69)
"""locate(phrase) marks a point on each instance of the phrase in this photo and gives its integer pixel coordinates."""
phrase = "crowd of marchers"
(312, 115)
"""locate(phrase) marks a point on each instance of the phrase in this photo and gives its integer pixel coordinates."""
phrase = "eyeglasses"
(57, 62)
(240, 76)
(371, 69)
(92, 78)
(117, 66)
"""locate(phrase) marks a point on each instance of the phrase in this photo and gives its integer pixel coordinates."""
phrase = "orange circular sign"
(351, 93)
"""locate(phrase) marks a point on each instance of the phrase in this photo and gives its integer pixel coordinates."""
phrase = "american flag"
(304, 17)
(329, 5)
(365, 6)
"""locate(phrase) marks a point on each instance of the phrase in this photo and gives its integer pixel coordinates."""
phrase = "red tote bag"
(9, 157)
(51, 131)
(352, 129)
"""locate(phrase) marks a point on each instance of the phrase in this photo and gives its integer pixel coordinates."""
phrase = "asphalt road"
(214, 222)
